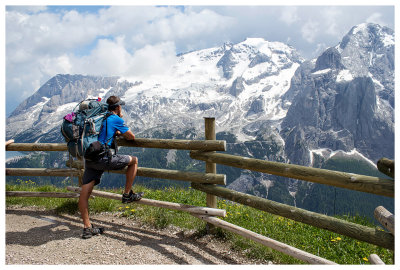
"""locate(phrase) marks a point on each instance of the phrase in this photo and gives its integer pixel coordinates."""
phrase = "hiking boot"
(127, 198)
(89, 232)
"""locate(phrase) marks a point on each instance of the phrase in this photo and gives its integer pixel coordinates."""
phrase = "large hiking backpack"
(82, 127)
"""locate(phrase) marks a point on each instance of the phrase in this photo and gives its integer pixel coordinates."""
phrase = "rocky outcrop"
(340, 101)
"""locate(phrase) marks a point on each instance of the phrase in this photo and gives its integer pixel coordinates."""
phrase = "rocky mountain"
(38, 118)
(344, 99)
(268, 101)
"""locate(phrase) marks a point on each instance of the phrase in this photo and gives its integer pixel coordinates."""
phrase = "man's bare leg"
(84, 203)
(131, 173)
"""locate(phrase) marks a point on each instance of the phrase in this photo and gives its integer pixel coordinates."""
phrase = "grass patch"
(335, 247)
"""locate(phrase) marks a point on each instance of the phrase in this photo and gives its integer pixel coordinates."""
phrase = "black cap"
(115, 105)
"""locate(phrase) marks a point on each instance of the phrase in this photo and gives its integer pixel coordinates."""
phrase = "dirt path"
(35, 236)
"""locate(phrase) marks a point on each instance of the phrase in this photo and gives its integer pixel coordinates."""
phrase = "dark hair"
(112, 102)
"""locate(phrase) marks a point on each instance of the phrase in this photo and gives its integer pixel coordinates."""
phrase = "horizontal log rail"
(42, 172)
(41, 194)
(9, 142)
(199, 210)
(284, 248)
(374, 259)
(209, 178)
(370, 184)
(360, 232)
(204, 145)
(36, 147)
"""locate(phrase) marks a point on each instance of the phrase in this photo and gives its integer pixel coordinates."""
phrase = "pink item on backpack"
(70, 117)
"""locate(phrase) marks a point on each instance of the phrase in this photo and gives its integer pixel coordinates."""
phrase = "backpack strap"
(108, 114)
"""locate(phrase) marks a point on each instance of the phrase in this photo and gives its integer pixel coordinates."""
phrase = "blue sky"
(42, 41)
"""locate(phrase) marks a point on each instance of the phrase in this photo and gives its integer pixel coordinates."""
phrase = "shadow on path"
(62, 227)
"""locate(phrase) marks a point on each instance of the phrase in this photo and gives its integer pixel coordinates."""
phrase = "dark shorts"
(94, 169)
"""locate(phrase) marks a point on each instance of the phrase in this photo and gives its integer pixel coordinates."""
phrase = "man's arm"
(128, 135)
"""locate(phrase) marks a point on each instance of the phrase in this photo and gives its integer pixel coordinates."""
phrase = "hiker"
(112, 126)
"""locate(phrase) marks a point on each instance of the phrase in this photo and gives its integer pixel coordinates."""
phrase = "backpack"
(81, 129)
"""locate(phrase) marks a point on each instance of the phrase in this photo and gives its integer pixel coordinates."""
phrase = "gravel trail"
(37, 236)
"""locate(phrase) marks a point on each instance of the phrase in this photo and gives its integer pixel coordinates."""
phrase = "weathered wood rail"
(41, 194)
(42, 172)
(374, 259)
(77, 171)
(170, 205)
(204, 145)
(370, 184)
(197, 177)
(286, 249)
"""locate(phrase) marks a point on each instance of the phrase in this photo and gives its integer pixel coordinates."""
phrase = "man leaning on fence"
(113, 125)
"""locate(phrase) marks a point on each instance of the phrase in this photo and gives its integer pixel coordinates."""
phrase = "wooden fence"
(207, 182)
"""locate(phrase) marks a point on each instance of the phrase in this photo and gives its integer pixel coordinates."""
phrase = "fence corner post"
(211, 200)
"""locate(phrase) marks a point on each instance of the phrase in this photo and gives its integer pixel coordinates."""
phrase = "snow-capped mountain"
(238, 84)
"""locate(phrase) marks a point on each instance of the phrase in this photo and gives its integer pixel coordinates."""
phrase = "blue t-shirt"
(114, 123)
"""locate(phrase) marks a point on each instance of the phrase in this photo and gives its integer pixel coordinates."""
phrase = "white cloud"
(375, 18)
(289, 15)
(157, 59)
(185, 28)
(331, 17)
(27, 9)
(55, 65)
(108, 58)
(309, 31)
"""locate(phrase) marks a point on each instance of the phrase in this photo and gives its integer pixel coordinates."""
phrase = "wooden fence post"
(211, 200)
(385, 218)
(386, 166)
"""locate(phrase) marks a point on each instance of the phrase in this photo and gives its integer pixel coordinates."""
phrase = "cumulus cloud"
(331, 20)
(309, 30)
(157, 59)
(27, 9)
(289, 15)
(375, 18)
(110, 57)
